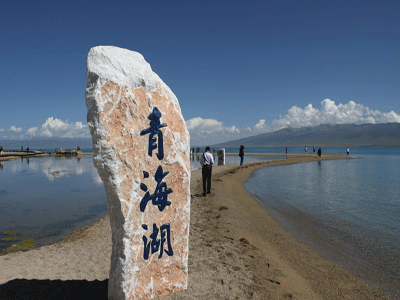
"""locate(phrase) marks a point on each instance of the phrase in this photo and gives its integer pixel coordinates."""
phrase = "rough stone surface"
(122, 92)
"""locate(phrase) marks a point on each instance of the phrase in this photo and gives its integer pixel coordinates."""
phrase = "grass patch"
(22, 245)
(8, 232)
(9, 239)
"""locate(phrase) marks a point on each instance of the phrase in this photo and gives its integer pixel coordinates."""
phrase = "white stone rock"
(122, 92)
(221, 156)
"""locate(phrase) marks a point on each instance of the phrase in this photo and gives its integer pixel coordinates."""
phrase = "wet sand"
(237, 251)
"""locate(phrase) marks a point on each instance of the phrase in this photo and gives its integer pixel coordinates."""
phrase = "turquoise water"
(347, 209)
(49, 197)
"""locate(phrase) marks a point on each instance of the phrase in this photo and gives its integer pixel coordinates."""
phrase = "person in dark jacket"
(206, 162)
(241, 154)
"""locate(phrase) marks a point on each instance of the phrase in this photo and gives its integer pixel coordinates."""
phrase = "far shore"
(23, 154)
(312, 154)
(236, 251)
(11, 155)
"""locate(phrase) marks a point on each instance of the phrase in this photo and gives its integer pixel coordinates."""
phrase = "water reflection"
(56, 167)
(48, 197)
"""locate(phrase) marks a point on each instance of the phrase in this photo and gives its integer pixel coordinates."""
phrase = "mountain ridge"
(343, 135)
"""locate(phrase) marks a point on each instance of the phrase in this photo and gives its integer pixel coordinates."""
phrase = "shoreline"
(236, 250)
(17, 155)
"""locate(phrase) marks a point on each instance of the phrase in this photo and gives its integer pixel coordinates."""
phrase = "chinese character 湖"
(155, 245)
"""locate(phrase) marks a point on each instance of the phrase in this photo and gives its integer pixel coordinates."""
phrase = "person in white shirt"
(206, 162)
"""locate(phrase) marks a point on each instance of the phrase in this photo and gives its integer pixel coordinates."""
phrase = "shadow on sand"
(54, 289)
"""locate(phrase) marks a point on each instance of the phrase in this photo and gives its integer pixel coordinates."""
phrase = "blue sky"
(237, 67)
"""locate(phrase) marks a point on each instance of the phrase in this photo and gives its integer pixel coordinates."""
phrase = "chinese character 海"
(154, 129)
(157, 245)
(160, 196)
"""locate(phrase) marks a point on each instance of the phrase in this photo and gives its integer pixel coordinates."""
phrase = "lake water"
(347, 209)
(49, 197)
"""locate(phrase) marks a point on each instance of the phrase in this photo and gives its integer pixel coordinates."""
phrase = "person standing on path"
(206, 162)
(241, 154)
(348, 150)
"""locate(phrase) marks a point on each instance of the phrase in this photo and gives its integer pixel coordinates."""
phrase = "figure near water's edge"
(206, 162)
(241, 154)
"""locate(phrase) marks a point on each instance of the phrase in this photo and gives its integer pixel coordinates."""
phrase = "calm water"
(347, 209)
(48, 197)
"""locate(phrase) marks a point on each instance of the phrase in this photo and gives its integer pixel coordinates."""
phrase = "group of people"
(207, 161)
(305, 149)
(319, 150)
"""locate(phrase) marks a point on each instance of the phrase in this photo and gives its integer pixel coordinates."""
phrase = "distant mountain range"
(352, 135)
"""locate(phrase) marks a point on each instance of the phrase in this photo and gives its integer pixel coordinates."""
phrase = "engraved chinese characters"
(141, 148)
(160, 196)
(154, 129)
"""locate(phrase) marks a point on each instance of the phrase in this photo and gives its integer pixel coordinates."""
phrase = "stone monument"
(141, 151)
(221, 156)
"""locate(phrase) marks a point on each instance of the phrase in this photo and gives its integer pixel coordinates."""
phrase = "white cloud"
(330, 113)
(201, 124)
(32, 131)
(54, 127)
(210, 131)
(15, 129)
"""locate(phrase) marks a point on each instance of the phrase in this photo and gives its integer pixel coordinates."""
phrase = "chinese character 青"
(153, 130)
(160, 196)
(155, 245)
